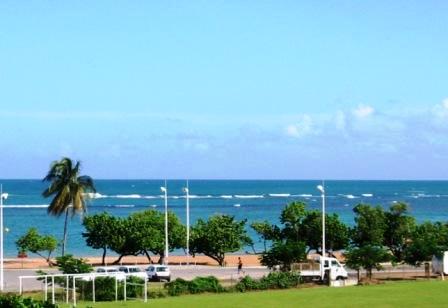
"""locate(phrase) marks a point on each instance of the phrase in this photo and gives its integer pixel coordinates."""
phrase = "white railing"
(86, 277)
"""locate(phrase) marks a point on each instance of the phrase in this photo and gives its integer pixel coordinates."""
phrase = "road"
(185, 272)
(189, 272)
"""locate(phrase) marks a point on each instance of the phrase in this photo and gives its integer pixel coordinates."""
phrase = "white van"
(133, 271)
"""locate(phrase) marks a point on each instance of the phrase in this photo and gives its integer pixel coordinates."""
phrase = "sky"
(225, 89)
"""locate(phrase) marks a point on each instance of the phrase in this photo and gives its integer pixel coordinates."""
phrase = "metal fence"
(72, 278)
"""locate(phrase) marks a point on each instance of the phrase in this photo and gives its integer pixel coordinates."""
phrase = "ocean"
(245, 199)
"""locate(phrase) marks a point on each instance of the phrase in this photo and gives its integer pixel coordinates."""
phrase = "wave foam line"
(280, 195)
(26, 206)
(248, 196)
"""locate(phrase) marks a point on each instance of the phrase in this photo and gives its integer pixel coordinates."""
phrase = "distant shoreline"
(231, 261)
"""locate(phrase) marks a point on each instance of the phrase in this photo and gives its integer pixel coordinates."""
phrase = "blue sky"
(225, 89)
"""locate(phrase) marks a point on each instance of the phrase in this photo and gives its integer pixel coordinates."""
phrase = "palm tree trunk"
(64, 240)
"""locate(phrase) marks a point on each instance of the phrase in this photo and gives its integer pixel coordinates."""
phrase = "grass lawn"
(393, 294)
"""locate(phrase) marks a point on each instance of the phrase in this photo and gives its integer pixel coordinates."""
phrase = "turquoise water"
(251, 200)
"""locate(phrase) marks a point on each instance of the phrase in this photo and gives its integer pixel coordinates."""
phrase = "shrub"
(156, 294)
(177, 287)
(247, 283)
(13, 301)
(195, 286)
(275, 280)
(105, 288)
(205, 284)
(279, 280)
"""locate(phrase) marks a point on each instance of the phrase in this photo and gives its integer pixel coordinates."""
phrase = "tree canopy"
(42, 245)
(100, 230)
(219, 235)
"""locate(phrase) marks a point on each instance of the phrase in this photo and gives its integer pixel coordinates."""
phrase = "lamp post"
(164, 190)
(3, 196)
(322, 190)
(187, 196)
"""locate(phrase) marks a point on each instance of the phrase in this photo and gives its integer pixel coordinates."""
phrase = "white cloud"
(441, 110)
(363, 111)
(302, 128)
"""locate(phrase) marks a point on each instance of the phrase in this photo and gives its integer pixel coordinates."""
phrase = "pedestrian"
(240, 265)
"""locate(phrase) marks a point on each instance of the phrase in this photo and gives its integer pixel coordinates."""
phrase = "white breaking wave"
(279, 195)
(122, 205)
(226, 197)
(26, 206)
(95, 195)
(131, 196)
(237, 205)
(367, 195)
(248, 196)
(305, 195)
(350, 197)
(200, 197)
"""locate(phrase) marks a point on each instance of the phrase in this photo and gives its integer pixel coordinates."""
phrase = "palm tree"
(68, 189)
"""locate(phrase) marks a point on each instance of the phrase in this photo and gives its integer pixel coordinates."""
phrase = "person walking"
(240, 265)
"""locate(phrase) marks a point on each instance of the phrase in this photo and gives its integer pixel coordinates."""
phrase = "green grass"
(394, 294)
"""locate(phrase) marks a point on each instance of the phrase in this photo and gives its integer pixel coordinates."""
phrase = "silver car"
(158, 273)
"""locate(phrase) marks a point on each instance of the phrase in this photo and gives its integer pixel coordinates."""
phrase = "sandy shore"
(231, 260)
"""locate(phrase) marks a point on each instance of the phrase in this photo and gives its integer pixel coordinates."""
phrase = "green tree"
(219, 235)
(367, 257)
(370, 225)
(336, 232)
(100, 231)
(292, 217)
(427, 239)
(267, 232)
(144, 232)
(68, 189)
(284, 254)
(42, 245)
(153, 240)
(68, 265)
(399, 228)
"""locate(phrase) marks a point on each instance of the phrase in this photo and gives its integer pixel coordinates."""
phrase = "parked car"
(111, 271)
(158, 273)
(133, 271)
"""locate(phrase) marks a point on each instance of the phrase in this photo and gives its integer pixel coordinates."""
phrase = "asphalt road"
(189, 272)
(186, 272)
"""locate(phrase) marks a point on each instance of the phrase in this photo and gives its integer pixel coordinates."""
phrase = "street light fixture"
(3, 196)
(322, 190)
(165, 191)
(187, 196)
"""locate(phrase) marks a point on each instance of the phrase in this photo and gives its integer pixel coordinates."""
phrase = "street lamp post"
(187, 196)
(322, 190)
(164, 190)
(3, 196)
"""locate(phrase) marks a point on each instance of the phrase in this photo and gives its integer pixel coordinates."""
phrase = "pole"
(1, 238)
(187, 191)
(67, 287)
(74, 291)
(166, 224)
(52, 290)
(323, 221)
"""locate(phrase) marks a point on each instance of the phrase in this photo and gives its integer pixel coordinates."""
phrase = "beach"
(231, 261)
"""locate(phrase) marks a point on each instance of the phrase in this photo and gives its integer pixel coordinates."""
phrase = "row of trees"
(143, 233)
(377, 236)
